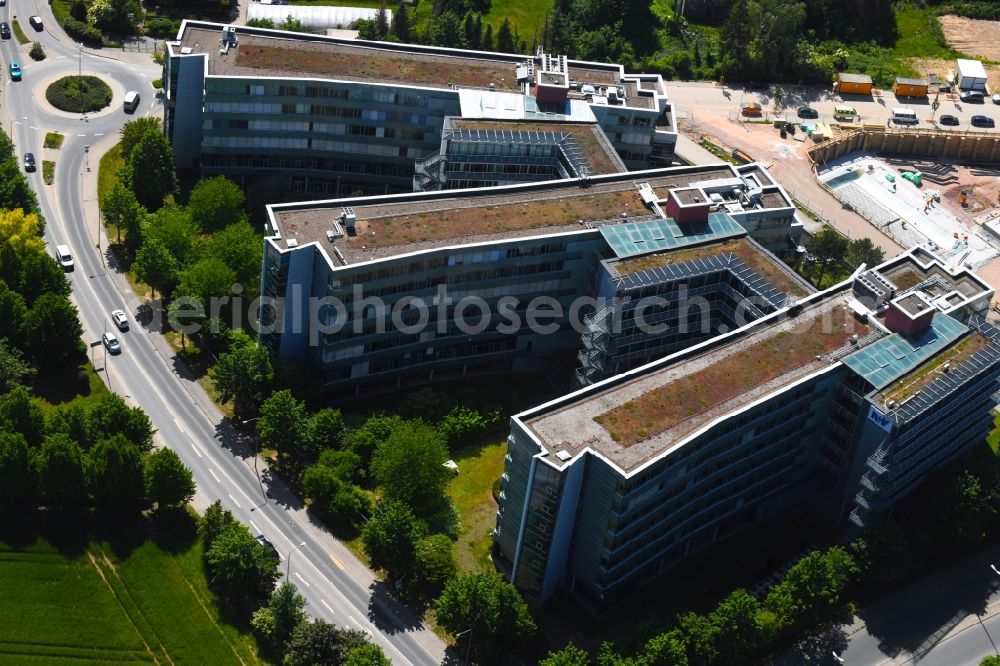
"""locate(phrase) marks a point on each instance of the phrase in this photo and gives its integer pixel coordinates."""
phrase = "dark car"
(4, 30)
(29, 162)
(807, 112)
(983, 121)
(948, 120)
(271, 550)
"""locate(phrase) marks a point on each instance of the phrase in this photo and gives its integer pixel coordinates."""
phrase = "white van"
(131, 101)
(904, 117)
(64, 257)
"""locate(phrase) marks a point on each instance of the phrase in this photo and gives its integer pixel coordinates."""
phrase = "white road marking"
(99, 134)
(81, 135)
(362, 628)
(179, 426)
(323, 601)
(212, 472)
(197, 452)
(238, 505)
(33, 127)
(255, 528)
(304, 582)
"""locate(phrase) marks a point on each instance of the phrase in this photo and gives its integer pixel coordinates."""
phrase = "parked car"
(983, 121)
(807, 112)
(949, 120)
(15, 71)
(996, 98)
(973, 96)
(120, 319)
(111, 343)
(4, 30)
(272, 551)
(29, 162)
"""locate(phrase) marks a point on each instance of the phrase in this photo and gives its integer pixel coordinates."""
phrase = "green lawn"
(107, 172)
(18, 32)
(48, 171)
(64, 389)
(53, 140)
(479, 466)
(920, 34)
(123, 597)
(993, 439)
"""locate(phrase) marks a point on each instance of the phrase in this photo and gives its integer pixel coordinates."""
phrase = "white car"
(111, 343)
(120, 319)
(996, 98)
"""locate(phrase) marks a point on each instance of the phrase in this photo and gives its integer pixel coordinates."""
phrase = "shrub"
(158, 84)
(78, 94)
(161, 27)
(37, 52)
(84, 32)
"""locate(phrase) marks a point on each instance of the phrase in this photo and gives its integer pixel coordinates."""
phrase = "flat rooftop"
(913, 382)
(274, 55)
(760, 261)
(387, 226)
(637, 420)
(597, 150)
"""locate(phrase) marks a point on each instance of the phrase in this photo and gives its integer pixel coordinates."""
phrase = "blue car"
(15, 71)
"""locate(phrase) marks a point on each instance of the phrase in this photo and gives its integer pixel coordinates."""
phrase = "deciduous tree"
(215, 520)
(62, 472)
(241, 567)
(275, 622)
(19, 414)
(112, 416)
(811, 589)
(241, 377)
(390, 538)
(153, 176)
(239, 248)
(168, 481)
(156, 266)
(283, 423)
(864, 251)
(409, 467)
(320, 642)
(367, 655)
(486, 606)
(737, 617)
(570, 655)
(14, 370)
(17, 469)
(331, 487)
(132, 131)
(115, 474)
(121, 209)
(217, 203)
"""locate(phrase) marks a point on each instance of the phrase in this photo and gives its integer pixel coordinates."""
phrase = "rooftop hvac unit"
(348, 218)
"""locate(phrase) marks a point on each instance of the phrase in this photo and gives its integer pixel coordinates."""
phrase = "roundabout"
(79, 94)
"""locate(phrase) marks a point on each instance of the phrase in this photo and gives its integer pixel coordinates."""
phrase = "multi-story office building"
(333, 116)
(509, 249)
(843, 400)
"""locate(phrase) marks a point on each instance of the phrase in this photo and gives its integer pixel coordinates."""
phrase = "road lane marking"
(195, 447)
(212, 472)
(179, 426)
(304, 581)
(238, 505)
(338, 563)
(323, 601)
(255, 528)
(361, 627)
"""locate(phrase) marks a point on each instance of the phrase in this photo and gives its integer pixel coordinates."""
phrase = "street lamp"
(256, 453)
(469, 650)
(79, 70)
(995, 570)
(840, 660)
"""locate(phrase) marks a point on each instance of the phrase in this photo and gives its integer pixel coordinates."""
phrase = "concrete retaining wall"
(964, 147)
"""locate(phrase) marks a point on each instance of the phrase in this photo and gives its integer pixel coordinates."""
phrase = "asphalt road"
(705, 99)
(336, 586)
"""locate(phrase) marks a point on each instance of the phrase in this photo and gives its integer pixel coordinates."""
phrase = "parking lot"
(702, 100)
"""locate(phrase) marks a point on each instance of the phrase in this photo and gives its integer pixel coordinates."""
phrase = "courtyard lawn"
(479, 466)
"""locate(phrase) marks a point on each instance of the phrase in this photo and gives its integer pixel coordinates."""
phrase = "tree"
(17, 469)
(215, 520)
(156, 178)
(19, 414)
(884, 556)
(62, 476)
(446, 30)
(283, 422)
(52, 331)
(112, 416)
(812, 588)
(176, 230)
(367, 655)
(472, 28)
(330, 485)
(390, 539)
(401, 22)
(991, 660)
(40, 274)
(382, 20)
(74, 422)
(778, 94)
(666, 649)
(203, 284)
(486, 606)
(157, 267)
(409, 467)
(276, 621)
(168, 481)
(570, 655)
(291, 24)
(935, 105)
(239, 248)
(320, 642)
(375, 429)
(699, 635)
(505, 40)
(21, 231)
(241, 377)
(826, 246)
(260, 23)
(435, 563)
(326, 430)
(133, 131)
(12, 314)
(216, 203)
(241, 567)
(488, 43)
(737, 618)
(15, 193)
(14, 370)
(121, 209)
(115, 474)
(864, 251)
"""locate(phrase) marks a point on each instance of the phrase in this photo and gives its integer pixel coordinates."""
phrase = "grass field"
(53, 140)
(65, 389)
(472, 492)
(134, 594)
(18, 32)
(920, 34)
(107, 172)
(48, 171)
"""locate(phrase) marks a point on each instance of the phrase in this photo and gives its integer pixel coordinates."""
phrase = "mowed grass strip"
(53, 605)
(137, 603)
(479, 466)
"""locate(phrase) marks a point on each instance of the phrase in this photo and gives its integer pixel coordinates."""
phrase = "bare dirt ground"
(972, 36)
(787, 161)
